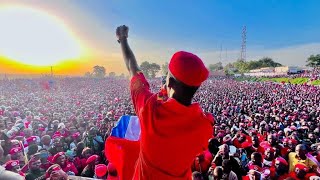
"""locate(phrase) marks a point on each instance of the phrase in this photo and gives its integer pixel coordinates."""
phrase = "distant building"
(288, 69)
(263, 70)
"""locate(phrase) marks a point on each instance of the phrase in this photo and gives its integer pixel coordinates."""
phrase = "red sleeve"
(73, 169)
(236, 143)
(140, 91)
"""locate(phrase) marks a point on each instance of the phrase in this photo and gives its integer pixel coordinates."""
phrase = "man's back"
(171, 134)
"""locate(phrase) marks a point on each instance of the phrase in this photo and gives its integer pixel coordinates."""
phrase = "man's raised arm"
(129, 59)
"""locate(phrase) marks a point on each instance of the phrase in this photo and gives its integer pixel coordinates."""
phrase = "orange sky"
(62, 39)
(70, 67)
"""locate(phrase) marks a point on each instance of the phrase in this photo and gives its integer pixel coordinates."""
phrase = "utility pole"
(243, 44)
(51, 71)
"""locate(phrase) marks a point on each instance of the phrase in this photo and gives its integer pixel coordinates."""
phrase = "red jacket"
(69, 166)
(171, 134)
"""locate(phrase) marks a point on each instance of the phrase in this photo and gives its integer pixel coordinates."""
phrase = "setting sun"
(34, 37)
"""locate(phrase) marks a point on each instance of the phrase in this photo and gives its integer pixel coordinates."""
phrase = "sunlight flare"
(34, 37)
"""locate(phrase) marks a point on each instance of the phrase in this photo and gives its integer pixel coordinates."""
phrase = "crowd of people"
(52, 129)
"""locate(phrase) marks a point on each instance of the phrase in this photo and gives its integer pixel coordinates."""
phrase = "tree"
(313, 61)
(99, 71)
(241, 66)
(88, 75)
(154, 69)
(268, 62)
(150, 70)
(112, 74)
(229, 69)
(216, 67)
(164, 69)
(245, 66)
(145, 68)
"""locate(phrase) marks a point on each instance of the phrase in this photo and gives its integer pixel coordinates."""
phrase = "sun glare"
(33, 37)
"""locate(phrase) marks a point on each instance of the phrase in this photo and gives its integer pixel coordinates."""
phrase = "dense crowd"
(52, 129)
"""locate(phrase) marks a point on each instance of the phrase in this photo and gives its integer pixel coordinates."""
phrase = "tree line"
(151, 70)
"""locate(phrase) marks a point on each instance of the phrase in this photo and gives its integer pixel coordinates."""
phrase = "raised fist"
(122, 32)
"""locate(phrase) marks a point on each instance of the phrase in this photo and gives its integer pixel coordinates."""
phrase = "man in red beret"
(281, 169)
(301, 171)
(34, 169)
(17, 154)
(68, 167)
(92, 161)
(175, 130)
(13, 166)
(55, 172)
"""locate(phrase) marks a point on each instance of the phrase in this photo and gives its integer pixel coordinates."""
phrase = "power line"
(243, 44)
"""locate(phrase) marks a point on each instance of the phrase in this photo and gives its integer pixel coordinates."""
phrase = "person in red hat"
(13, 166)
(238, 139)
(32, 140)
(88, 171)
(66, 166)
(165, 125)
(269, 160)
(17, 154)
(55, 172)
(34, 169)
(301, 172)
(254, 147)
(100, 171)
(202, 162)
(281, 169)
(76, 139)
(272, 141)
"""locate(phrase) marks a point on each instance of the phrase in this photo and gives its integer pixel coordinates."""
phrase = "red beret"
(55, 157)
(188, 68)
(293, 141)
(11, 164)
(101, 170)
(15, 150)
(270, 149)
(32, 139)
(282, 161)
(301, 167)
(91, 159)
(75, 135)
(56, 135)
(55, 168)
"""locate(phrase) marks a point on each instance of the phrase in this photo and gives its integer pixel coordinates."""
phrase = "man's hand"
(129, 58)
(122, 32)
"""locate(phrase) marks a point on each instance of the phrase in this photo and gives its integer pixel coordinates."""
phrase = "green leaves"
(150, 69)
(313, 61)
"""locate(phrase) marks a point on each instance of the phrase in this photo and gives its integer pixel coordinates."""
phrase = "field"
(280, 80)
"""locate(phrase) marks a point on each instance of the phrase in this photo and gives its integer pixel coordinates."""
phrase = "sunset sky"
(74, 35)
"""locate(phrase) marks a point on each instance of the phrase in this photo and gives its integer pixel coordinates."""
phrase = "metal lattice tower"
(243, 44)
